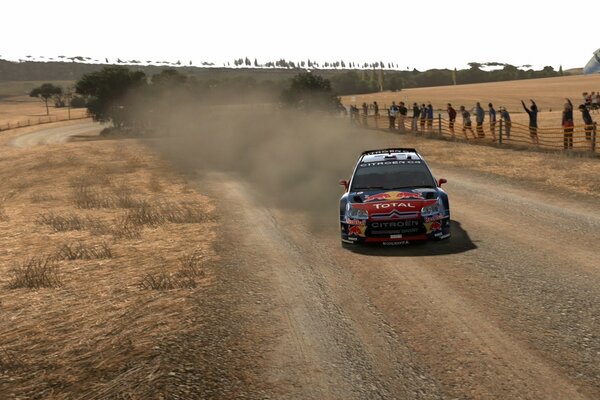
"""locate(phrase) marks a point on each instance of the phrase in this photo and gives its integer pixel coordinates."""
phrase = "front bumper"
(395, 232)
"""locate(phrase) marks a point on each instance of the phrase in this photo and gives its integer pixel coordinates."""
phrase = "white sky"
(415, 34)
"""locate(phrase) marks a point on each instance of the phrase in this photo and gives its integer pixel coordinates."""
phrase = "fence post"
(500, 132)
(440, 123)
(594, 138)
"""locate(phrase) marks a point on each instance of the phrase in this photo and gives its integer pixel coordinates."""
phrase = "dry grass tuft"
(83, 251)
(186, 277)
(36, 273)
(8, 360)
(64, 223)
(125, 199)
(41, 197)
(155, 215)
(87, 198)
(124, 229)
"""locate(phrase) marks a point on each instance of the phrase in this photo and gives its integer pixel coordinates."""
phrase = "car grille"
(396, 227)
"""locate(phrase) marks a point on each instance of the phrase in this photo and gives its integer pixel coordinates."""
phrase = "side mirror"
(441, 182)
(344, 183)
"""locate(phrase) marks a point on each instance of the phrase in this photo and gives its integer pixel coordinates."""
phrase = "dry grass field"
(548, 93)
(103, 253)
(17, 107)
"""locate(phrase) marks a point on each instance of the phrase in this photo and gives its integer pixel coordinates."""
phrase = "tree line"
(348, 79)
(131, 99)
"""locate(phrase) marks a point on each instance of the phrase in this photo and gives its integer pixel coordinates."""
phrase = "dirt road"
(56, 135)
(509, 308)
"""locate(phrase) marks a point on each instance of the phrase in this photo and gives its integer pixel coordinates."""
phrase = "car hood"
(401, 201)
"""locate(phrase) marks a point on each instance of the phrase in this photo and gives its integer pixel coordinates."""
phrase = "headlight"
(432, 209)
(356, 213)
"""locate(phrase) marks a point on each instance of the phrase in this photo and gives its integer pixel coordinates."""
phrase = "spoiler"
(389, 151)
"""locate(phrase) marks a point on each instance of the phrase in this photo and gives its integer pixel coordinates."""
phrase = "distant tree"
(106, 60)
(310, 92)
(169, 78)
(78, 102)
(45, 92)
(106, 92)
(247, 62)
(255, 62)
(560, 71)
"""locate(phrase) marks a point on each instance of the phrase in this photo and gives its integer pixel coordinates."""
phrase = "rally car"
(393, 199)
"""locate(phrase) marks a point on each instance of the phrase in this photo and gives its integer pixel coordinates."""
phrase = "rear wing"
(389, 151)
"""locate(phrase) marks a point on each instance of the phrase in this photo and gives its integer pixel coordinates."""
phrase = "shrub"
(35, 273)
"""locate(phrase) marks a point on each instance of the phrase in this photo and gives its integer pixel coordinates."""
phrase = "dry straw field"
(103, 253)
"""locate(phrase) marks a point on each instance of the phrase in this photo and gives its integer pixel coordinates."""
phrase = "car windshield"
(392, 175)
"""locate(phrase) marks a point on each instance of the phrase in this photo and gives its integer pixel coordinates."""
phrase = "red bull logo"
(357, 230)
(389, 196)
(436, 226)
(433, 226)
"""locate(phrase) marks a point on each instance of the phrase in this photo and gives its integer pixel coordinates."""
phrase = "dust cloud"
(290, 159)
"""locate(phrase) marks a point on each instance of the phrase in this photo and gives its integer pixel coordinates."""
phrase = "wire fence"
(74, 115)
(581, 138)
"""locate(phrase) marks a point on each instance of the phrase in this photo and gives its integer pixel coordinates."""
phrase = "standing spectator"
(353, 115)
(587, 121)
(402, 111)
(376, 109)
(415, 117)
(423, 113)
(595, 101)
(365, 113)
(479, 117)
(532, 121)
(466, 122)
(429, 117)
(392, 111)
(492, 113)
(505, 116)
(567, 123)
(451, 118)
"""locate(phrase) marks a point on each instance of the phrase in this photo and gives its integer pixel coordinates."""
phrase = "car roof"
(389, 155)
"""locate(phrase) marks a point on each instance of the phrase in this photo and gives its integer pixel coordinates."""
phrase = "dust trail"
(292, 159)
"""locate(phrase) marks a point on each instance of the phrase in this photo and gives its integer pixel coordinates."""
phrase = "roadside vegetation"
(104, 252)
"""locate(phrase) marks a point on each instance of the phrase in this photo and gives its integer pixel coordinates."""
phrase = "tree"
(311, 92)
(45, 92)
(106, 92)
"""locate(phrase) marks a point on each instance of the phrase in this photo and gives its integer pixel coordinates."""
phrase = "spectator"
(392, 112)
(423, 113)
(466, 122)
(415, 118)
(587, 121)
(376, 109)
(595, 101)
(532, 121)
(451, 118)
(365, 113)
(492, 113)
(567, 123)
(429, 118)
(402, 111)
(479, 117)
(505, 116)
(353, 115)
